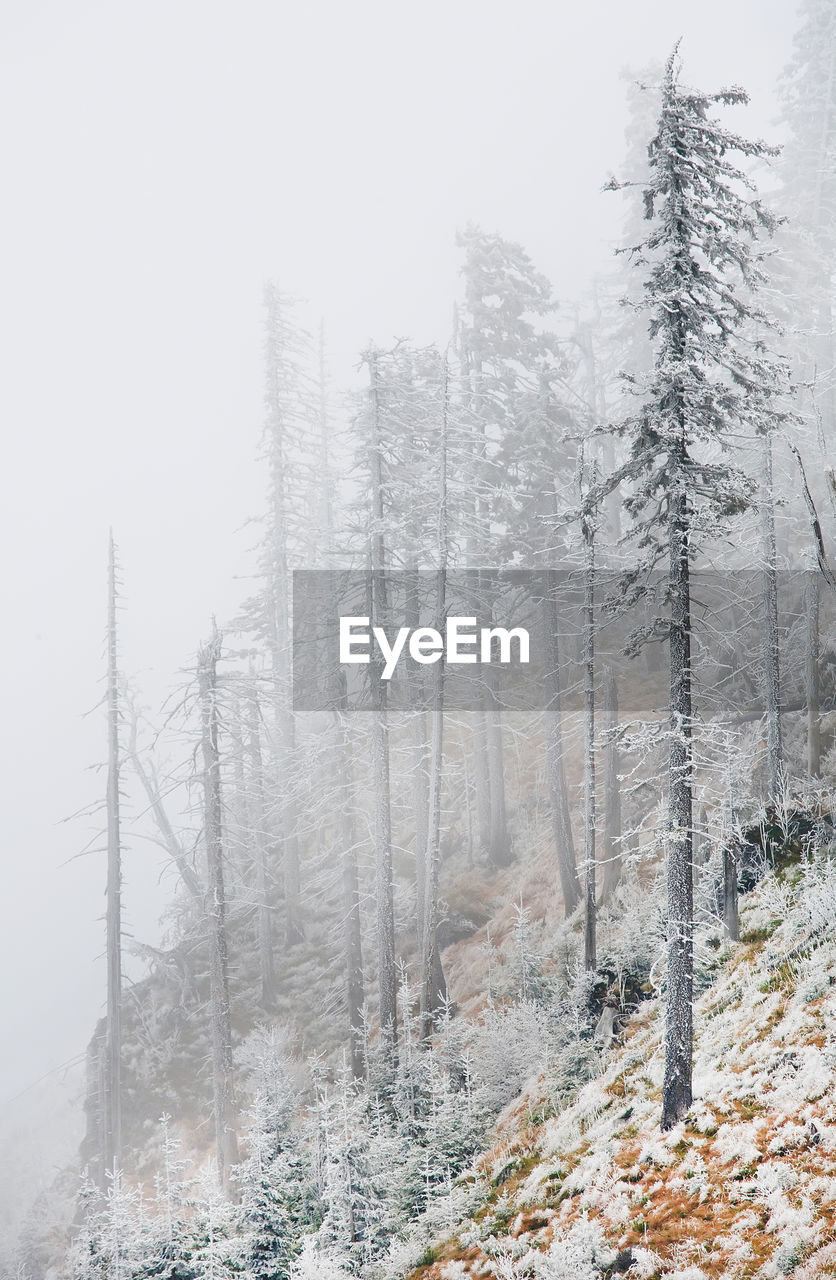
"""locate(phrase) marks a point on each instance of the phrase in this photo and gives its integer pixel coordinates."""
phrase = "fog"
(159, 163)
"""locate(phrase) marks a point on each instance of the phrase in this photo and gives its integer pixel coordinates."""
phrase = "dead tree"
(433, 986)
(113, 1090)
(612, 788)
(281, 371)
(588, 531)
(257, 812)
(730, 896)
(223, 1089)
(386, 967)
(555, 773)
(812, 677)
(771, 660)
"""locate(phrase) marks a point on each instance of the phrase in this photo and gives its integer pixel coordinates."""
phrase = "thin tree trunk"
(264, 910)
(698, 843)
(772, 677)
(147, 775)
(295, 931)
(222, 1069)
(325, 479)
(433, 986)
(386, 967)
(590, 957)
(420, 777)
(812, 676)
(278, 589)
(679, 1027)
(555, 775)
(499, 847)
(352, 924)
(113, 1111)
(468, 808)
(612, 788)
(730, 908)
(482, 781)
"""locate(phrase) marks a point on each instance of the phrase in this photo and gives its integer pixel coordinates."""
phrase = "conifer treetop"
(713, 381)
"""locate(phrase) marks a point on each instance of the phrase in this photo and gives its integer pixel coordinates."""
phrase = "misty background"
(160, 162)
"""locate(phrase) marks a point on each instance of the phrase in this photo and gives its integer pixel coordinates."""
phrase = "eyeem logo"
(461, 643)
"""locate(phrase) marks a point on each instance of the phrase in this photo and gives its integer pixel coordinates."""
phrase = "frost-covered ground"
(746, 1186)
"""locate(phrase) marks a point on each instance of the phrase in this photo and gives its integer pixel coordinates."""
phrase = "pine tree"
(268, 1182)
(711, 376)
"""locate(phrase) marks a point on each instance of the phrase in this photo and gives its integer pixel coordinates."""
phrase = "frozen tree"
(314, 1264)
(496, 343)
(291, 432)
(222, 1066)
(771, 639)
(271, 1183)
(511, 379)
(386, 964)
(807, 195)
(113, 1032)
(257, 816)
(352, 924)
(433, 987)
(612, 787)
(711, 376)
(588, 534)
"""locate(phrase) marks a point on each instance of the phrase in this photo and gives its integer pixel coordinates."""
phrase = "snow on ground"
(744, 1187)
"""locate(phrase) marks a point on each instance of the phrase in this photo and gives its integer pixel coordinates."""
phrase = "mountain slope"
(744, 1187)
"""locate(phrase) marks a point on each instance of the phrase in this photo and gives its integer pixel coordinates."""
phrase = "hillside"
(743, 1188)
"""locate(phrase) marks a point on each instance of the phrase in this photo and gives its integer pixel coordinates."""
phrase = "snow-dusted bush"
(511, 1043)
(313, 1264)
(581, 1254)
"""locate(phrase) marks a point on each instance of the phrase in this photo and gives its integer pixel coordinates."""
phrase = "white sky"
(159, 161)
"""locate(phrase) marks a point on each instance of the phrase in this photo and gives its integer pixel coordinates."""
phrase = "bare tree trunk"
(352, 925)
(555, 776)
(812, 678)
(226, 1142)
(325, 478)
(730, 907)
(113, 1111)
(386, 968)
(468, 809)
(612, 788)
(420, 777)
(499, 849)
(147, 775)
(679, 1026)
(772, 676)
(589, 950)
(433, 986)
(420, 801)
(264, 910)
(278, 590)
(698, 843)
(295, 931)
(481, 781)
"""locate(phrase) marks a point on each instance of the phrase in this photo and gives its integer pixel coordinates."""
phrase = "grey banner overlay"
(548, 607)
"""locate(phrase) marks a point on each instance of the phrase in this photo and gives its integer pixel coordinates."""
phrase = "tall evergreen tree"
(712, 376)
